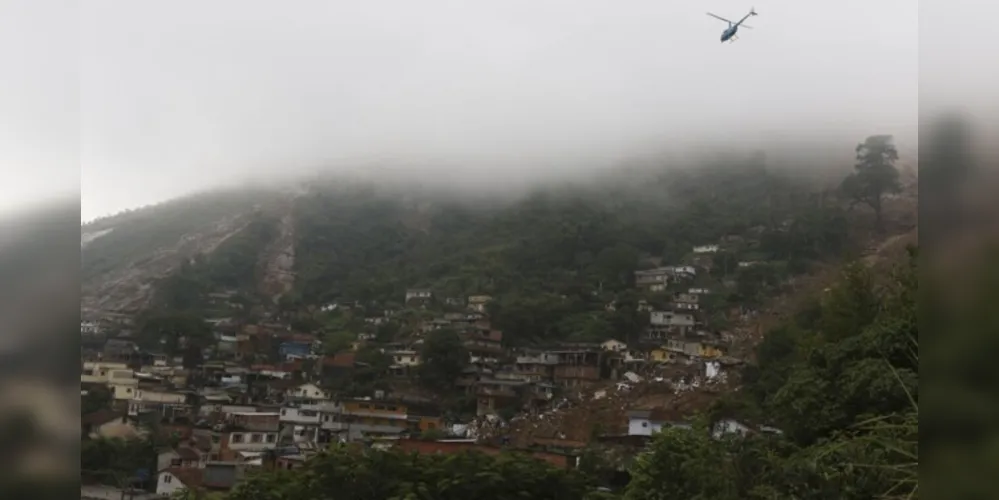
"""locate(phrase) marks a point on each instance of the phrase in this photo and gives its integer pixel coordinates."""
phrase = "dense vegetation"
(840, 380)
(357, 244)
(553, 259)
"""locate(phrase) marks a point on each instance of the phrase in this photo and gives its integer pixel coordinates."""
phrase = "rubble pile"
(602, 410)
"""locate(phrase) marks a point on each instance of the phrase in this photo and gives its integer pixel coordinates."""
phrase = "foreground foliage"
(349, 474)
(842, 384)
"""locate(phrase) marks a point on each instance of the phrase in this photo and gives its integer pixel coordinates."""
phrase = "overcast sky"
(183, 94)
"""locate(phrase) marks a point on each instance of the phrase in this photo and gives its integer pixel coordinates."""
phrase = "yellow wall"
(659, 355)
(710, 351)
(381, 407)
(427, 423)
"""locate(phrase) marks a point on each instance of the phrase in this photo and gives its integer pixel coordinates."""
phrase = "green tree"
(875, 174)
(442, 358)
(682, 463)
(97, 398)
(850, 305)
(338, 341)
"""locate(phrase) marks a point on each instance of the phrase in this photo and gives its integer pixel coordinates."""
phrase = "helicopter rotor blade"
(720, 18)
(745, 26)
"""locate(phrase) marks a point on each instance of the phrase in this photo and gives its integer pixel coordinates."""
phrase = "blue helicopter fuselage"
(729, 33)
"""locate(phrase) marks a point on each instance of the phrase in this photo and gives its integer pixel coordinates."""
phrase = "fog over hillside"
(193, 95)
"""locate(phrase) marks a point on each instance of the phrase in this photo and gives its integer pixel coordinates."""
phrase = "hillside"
(345, 241)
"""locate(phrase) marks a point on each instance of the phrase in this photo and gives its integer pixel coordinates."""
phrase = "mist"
(180, 96)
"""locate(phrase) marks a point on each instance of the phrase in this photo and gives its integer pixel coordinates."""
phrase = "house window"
(236, 438)
(392, 408)
(167, 478)
(256, 438)
(128, 390)
(271, 438)
(284, 412)
(645, 424)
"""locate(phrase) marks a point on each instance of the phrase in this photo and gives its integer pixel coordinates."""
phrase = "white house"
(706, 249)
(404, 357)
(478, 302)
(174, 480)
(670, 318)
(614, 346)
(645, 422)
(729, 426)
(648, 422)
(418, 294)
(307, 391)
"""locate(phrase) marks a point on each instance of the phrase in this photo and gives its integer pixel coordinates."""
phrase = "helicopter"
(729, 34)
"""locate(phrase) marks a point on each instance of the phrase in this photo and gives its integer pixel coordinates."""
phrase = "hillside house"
(317, 423)
(478, 303)
(404, 357)
(168, 404)
(654, 280)
(614, 346)
(650, 421)
(729, 426)
(404, 361)
(295, 348)
(172, 481)
(483, 342)
(465, 320)
(374, 417)
(702, 249)
(184, 457)
(419, 294)
(694, 347)
(105, 373)
(248, 432)
(494, 395)
(661, 355)
(663, 324)
(434, 325)
(215, 476)
(470, 376)
(686, 302)
(576, 368)
(307, 393)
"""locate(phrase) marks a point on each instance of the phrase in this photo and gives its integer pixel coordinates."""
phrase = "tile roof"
(101, 417)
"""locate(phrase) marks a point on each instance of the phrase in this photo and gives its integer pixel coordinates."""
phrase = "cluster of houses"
(235, 411)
